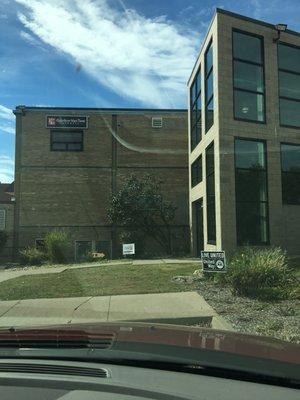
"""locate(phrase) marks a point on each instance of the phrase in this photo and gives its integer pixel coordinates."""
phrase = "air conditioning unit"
(157, 122)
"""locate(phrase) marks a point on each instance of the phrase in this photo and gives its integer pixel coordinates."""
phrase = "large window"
(210, 194)
(251, 192)
(66, 140)
(209, 88)
(248, 77)
(290, 166)
(289, 84)
(2, 220)
(196, 171)
(195, 95)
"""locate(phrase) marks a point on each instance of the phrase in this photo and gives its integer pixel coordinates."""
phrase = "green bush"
(3, 240)
(261, 273)
(32, 256)
(57, 245)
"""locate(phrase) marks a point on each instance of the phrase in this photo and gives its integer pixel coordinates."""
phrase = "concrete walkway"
(185, 308)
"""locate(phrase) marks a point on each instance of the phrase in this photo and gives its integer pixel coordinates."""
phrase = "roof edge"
(23, 107)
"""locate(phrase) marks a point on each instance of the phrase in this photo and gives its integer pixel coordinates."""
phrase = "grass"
(99, 281)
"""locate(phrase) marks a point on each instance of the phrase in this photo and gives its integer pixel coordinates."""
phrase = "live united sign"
(66, 121)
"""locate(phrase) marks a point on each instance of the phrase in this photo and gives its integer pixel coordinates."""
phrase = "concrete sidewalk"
(185, 308)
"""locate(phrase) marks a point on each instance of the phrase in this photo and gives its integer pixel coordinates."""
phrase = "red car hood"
(180, 336)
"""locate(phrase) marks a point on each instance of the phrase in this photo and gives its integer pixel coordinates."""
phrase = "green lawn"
(99, 281)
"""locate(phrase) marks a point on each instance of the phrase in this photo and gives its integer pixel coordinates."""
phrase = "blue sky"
(106, 53)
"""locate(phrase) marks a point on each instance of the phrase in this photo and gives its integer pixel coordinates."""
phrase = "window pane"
(251, 185)
(249, 154)
(208, 60)
(59, 146)
(199, 103)
(197, 171)
(290, 112)
(198, 78)
(193, 92)
(66, 136)
(211, 220)
(248, 76)
(290, 156)
(247, 47)
(289, 58)
(209, 158)
(209, 115)
(248, 106)
(209, 87)
(252, 223)
(291, 187)
(74, 146)
(289, 85)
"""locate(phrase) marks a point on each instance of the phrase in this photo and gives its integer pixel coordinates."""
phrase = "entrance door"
(198, 239)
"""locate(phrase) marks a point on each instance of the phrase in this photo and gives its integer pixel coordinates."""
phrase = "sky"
(106, 53)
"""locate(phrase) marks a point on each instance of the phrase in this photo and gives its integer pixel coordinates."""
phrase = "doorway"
(198, 238)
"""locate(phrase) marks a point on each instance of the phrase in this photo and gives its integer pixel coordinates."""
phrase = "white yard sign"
(128, 249)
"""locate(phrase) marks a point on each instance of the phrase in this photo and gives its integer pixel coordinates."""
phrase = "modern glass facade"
(248, 77)
(210, 194)
(289, 84)
(196, 171)
(209, 88)
(251, 192)
(195, 110)
(290, 173)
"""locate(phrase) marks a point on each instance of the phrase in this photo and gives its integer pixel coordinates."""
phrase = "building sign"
(128, 249)
(213, 261)
(66, 121)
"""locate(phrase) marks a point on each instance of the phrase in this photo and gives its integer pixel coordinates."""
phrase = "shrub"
(32, 256)
(3, 240)
(261, 273)
(57, 246)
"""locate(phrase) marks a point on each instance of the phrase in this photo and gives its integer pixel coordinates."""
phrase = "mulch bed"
(279, 319)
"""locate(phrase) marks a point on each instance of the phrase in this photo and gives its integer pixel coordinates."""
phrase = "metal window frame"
(286, 172)
(2, 228)
(195, 139)
(207, 74)
(209, 203)
(281, 43)
(262, 65)
(52, 132)
(265, 169)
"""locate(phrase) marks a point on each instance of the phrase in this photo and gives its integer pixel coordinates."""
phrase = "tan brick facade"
(72, 190)
(284, 220)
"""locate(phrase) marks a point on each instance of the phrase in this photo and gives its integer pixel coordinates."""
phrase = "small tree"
(139, 207)
(57, 245)
(3, 240)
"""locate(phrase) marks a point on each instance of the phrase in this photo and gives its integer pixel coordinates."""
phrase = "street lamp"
(279, 28)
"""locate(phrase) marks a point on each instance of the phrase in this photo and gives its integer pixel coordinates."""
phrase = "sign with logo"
(213, 261)
(128, 249)
(66, 121)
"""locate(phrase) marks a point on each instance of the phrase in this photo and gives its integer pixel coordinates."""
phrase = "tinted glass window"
(248, 76)
(247, 47)
(289, 85)
(196, 171)
(249, 154)
(290, 157)
(290, 112)
(208, 59)
(209, 87)
(66, 140)
(289, 57)
(249, 106)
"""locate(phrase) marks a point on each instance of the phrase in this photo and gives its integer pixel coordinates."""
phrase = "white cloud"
(148, 60)
(7, 120)
(6, 169)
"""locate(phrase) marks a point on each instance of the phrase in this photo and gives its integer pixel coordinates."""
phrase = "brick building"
(244, 133)
(7, 218)
(69, 163)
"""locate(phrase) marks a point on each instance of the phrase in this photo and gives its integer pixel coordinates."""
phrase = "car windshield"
(150, 166)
